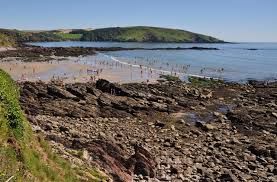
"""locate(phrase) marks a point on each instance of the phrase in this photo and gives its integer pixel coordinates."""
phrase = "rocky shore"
(36, 53)
(168, 131)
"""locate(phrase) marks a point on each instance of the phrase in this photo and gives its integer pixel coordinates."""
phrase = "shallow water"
(233, 62)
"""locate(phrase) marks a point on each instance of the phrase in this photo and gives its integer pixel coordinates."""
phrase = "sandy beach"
(6, 48)
(77, 69)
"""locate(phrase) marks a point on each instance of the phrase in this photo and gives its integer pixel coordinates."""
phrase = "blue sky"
(230, 20)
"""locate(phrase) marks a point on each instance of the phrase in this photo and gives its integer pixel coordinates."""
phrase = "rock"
(85, 155)
(228, 176)
(104, 100)
(181, 121)
(259, 150)
(274, 171)
(172, 128)
(37, 129)
(63, 129)
(235, 141)
(167, 144)
(78, 91)
(205, 127)
(159, 107)
(48, 127)
(106, 86)
(274, 114)
(208, 127)
(173, 170)
(60, 93)
(199, 124)
(75, 134)
(159, 124)
(144, 163)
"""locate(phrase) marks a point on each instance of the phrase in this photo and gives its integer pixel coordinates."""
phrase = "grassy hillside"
(36, 36)
(146, 34)
(6, 41)
(125, 34)
(25, 156)
(70, 36)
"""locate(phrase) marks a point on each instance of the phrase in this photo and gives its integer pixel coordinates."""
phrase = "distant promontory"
(9, 37)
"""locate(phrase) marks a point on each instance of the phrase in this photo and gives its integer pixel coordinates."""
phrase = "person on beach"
(22, 77)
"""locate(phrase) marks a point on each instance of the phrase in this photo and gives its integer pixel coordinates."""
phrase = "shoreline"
(75, 69)
(113, 73)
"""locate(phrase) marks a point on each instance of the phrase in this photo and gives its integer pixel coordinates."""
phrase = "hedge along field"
(25, 156)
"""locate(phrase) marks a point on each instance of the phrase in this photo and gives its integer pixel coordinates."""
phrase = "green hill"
(146, 34)
(120, 34)
(25, 156)
(16, 37)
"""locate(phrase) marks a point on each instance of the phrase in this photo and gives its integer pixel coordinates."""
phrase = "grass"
(26, 156)
(6, 41)
(70, 36)
(121, 34)
(145, 34)
(197, 81)
(13, 38)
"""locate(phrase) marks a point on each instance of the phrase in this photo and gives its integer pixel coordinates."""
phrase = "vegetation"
(145, 34)
(25, 156)
(198, 81)
(69, 36)
(125, 34)
(170, 78)
(16, 37)
(6, 41)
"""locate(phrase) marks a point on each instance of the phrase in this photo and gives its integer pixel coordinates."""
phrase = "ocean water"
(233, 62)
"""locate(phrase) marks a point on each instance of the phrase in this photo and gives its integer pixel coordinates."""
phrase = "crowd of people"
(138, 69)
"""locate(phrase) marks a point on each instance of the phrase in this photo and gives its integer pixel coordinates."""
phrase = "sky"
(229, 20)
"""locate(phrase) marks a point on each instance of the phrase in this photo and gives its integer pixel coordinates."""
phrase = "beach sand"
(73, 70)
(6, 48)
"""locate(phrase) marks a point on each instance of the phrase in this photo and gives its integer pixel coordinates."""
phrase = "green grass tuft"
(197, 81)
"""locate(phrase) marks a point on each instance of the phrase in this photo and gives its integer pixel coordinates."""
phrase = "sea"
(233, 62)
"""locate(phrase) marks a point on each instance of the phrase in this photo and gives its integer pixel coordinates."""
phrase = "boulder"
(60, 93)
(144, 163)
(108, 87)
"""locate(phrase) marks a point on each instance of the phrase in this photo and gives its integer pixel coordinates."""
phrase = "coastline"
(169, 123)
(76, 69)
